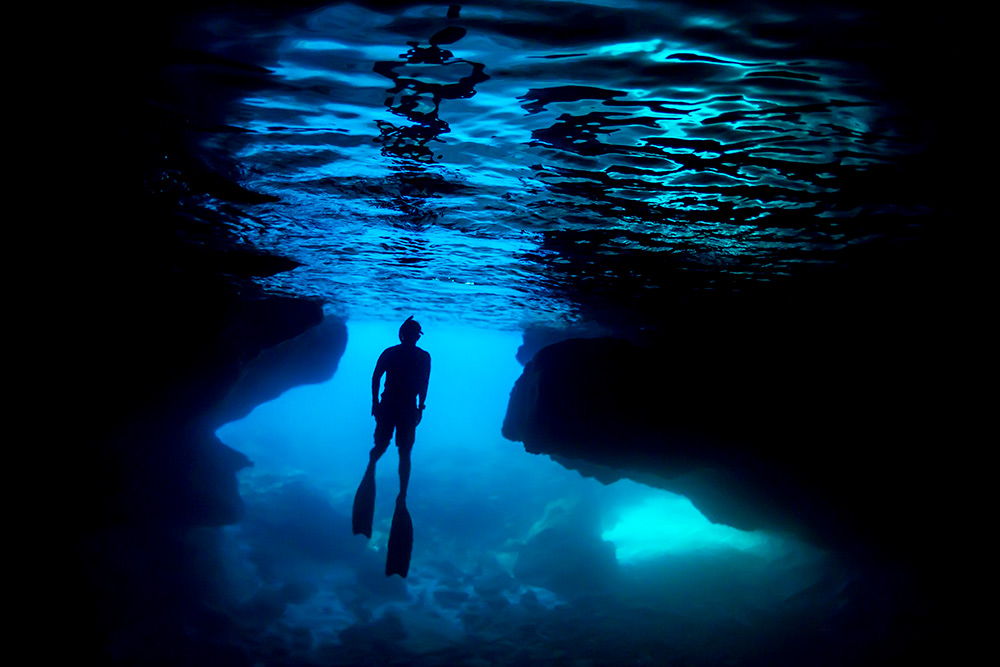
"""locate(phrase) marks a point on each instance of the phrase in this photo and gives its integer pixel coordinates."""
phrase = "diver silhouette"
(407, 369)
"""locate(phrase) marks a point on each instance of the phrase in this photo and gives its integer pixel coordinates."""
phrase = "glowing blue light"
(649, 46)
(665, 523)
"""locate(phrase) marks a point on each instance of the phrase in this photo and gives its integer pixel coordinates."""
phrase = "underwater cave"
(673, 267)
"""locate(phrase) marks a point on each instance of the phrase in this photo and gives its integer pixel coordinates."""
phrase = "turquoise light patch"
(669, 523)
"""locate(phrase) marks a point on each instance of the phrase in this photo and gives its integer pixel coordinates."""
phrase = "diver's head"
(410, 331)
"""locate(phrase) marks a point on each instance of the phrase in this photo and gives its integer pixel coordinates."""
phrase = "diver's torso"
(407, 368)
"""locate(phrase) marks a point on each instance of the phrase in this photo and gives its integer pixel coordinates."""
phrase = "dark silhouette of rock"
(760, 432)
(149, 442)
(145, 467)
(309, 358)
(161, 321)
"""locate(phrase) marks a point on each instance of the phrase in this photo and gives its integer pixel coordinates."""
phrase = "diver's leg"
(383, 436)
(405, 436)
(376, 453)
(404, 470)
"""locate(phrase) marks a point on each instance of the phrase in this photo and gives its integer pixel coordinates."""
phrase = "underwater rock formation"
(147, 473)
(155, 456)
(760, 432)
(309, 358)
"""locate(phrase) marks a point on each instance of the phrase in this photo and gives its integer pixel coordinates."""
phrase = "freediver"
(407, 369)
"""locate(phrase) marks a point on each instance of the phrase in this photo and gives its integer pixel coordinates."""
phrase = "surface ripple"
(484, 162)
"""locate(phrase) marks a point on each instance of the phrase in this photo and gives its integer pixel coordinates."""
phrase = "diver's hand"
(420, 414)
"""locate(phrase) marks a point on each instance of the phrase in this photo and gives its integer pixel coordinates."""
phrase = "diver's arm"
(422, 392)
(377, 381)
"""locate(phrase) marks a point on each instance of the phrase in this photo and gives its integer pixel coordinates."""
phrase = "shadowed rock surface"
(167, 335)
(147, 471)
(766, 422)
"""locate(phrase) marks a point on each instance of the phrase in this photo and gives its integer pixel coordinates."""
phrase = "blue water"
(503, 164)
(496, 166)
(504, 540)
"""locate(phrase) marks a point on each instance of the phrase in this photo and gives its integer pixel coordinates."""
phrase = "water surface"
(504, 163)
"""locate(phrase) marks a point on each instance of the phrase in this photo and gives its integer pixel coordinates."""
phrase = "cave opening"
(503, 539)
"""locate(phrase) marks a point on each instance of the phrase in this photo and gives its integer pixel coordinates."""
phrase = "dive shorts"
(401, 418)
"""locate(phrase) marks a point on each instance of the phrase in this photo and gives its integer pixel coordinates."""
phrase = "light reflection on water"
(441, 162)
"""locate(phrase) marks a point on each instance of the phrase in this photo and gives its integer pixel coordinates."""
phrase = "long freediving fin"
(400, 542)
(364, 505)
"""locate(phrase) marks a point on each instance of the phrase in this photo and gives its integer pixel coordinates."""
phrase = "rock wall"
(797, 427)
